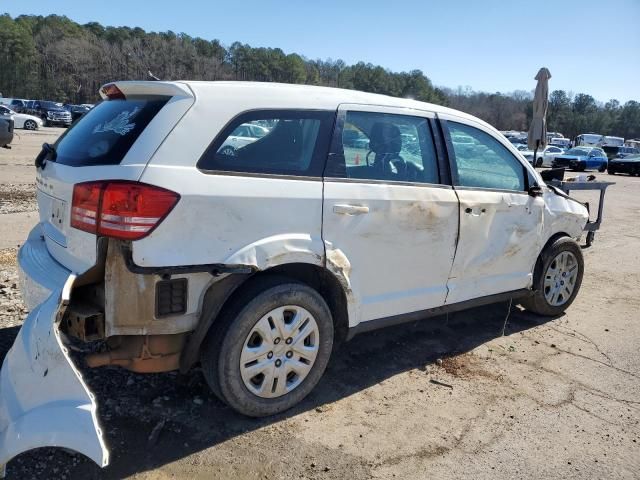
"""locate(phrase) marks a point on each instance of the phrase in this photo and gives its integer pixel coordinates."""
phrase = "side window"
(279, 142)
(383, 146)
(482, 161)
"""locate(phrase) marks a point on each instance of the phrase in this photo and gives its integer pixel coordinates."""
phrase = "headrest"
(385, 138)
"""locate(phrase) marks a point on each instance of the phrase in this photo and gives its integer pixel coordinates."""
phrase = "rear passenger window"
(383, 146)
(272, 142)
(482, 161)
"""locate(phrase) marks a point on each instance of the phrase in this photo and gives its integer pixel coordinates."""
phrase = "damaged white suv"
(351, 211)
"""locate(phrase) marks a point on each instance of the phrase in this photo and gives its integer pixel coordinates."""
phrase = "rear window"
(104, 135)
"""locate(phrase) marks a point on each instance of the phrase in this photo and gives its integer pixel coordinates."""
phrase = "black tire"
(537, 303)
(222, 348)
(539, 162)
(611, 171)
(602, 169)
(30, 125)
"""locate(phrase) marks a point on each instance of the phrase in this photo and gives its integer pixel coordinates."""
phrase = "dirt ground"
(447, 398)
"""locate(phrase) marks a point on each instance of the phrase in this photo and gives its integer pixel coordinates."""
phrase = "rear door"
(389, 211)
(500, 223)
(115, 140)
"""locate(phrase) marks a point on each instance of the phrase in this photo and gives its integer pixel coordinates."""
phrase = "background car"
(241, 137)
(76, 110)
(582, 158)
(629, 164)
(21, 120)
(620, 151)
(51, 113)
(548, 154)
(6, 131)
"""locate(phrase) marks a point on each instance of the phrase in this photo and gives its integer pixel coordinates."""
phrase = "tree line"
(58, 59)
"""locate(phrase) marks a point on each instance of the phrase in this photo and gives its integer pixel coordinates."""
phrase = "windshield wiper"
(48, 153)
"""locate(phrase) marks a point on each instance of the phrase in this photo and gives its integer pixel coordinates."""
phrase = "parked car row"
(47, 113)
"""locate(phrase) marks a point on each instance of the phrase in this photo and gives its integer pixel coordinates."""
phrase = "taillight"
(112, 92)
(120, 209)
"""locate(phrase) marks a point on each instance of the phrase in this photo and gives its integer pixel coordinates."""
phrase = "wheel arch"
(537, 269)
(221, 294)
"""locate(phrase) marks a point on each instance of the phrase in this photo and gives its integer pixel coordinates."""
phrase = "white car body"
(244, 135)
(20, 119)
(544, 156)
(395, 250)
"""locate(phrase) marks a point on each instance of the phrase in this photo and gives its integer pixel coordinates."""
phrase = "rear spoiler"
(171, 89)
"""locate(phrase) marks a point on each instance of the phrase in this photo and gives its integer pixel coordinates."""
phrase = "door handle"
(350, 209)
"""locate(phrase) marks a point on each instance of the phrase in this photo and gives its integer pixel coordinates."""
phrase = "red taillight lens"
(125, 210)
(112, 92)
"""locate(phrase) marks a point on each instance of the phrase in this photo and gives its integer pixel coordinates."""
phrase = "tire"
(539, 162)
(229, 151)
(30, 125)
(237, 333)
(548, 263)
(602, 169)
(611, 171)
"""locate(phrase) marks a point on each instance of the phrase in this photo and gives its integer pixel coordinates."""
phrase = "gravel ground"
(452, 397)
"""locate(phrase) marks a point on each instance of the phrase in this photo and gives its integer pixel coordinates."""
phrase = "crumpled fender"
(278, 250)
(44, 401)
(563, 214)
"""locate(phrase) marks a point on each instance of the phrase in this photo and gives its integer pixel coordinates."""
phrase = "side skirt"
(433, 312)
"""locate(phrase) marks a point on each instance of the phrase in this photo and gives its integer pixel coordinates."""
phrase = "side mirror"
(535, 191)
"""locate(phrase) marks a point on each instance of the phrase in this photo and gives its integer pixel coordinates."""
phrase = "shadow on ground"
(191, 419)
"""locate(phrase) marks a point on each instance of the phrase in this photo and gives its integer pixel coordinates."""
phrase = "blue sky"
(589, 46)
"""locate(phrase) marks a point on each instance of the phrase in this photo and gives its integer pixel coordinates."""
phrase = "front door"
(500, 223)
(387, 213)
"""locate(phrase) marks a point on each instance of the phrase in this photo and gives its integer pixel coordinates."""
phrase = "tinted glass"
(383, 146)
(482, 161)
(282, 142)
(106, 133)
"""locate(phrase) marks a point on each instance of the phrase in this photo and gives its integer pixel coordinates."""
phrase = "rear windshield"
(104, 135)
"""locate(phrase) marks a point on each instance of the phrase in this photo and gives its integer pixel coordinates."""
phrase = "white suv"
(158, 243)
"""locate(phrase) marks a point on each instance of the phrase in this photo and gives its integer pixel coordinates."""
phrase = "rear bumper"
(43, 399)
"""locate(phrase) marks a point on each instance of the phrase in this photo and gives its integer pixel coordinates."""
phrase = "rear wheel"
(228, 151)
(269, 348)
(602, 169)
(560, 267)
(30, 125)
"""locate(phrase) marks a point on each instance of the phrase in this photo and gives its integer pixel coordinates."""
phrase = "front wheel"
(269, 348)
(558, 278)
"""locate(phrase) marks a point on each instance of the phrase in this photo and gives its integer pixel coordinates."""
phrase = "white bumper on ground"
(43, 399)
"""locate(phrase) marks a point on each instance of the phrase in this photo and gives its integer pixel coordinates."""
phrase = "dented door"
(500, 239)
(500, 223)
(389, 230)
(43, 399)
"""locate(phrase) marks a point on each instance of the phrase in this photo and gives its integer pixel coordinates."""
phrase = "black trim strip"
(212, 268)
(432, 312)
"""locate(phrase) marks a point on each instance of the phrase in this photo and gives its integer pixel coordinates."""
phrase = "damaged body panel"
(43, 398)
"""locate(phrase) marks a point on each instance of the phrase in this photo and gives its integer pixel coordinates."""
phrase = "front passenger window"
(482, 161)
(386, 147)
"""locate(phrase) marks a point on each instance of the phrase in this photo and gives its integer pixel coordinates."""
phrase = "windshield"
(578, 151)
(104, 135)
